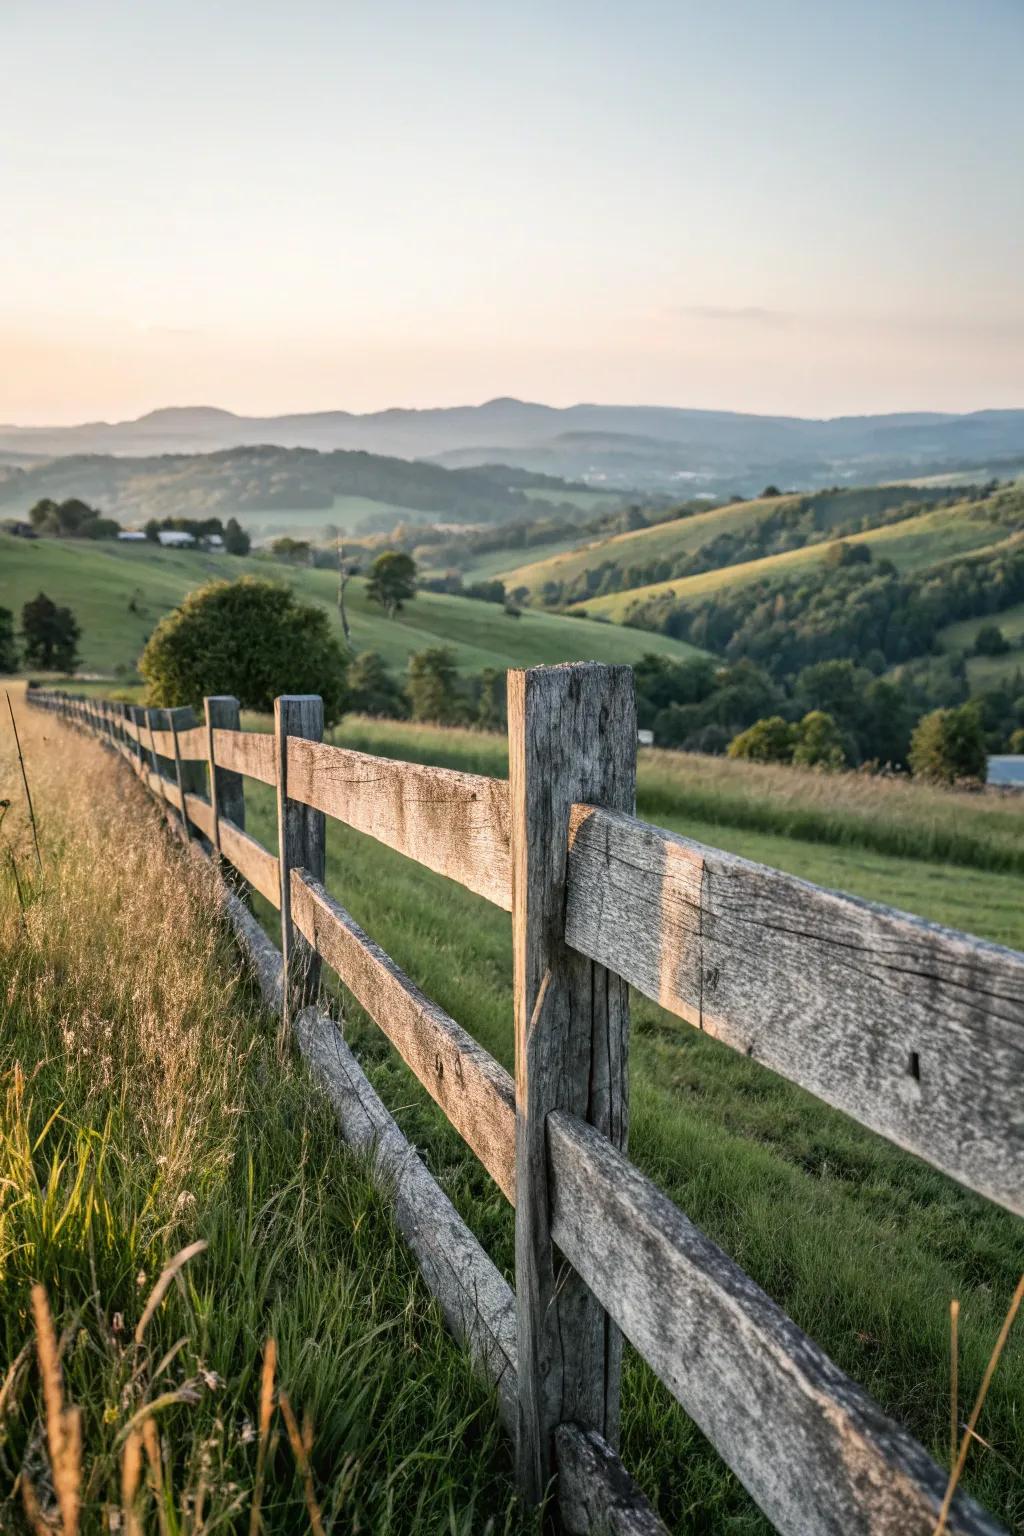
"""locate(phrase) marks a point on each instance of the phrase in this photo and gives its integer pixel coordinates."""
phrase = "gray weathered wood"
(137, 723)
(192, 744)
(475, 1092)
(200, 814)
(916, 1031)
(301, 844)
(227, 788)
(595, 1492)
(818, 1456)
(454, 823)
(184, 773)
(263, 956)
(477, 1302)
(572, 737)
(254, 862)
(248, 752)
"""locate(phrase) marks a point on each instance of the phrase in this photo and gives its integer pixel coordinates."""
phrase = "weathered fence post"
(227, 793)
(188, 774)
(301, 844)
(572, 739)
(138, 715)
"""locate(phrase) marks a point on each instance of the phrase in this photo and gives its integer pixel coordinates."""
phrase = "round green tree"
(251, 638)
(392, 580)
(770, 740)
(949, 744)
(819, 742)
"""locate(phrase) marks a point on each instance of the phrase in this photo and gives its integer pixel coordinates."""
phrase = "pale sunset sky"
(275, 205)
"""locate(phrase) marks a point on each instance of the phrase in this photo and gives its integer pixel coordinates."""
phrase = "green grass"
(911, 545)
(989, 671)
(670, 540)
(496, 561)
(100, 580)
(863, 1245)
(146, 1102)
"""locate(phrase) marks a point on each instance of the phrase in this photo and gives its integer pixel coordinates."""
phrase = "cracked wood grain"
(456, 824)
(914, 1030)
(572, 736)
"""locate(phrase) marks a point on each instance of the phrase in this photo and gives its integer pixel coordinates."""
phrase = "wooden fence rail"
(914, 1030)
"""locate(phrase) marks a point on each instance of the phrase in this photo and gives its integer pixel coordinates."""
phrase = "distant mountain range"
(618, 446)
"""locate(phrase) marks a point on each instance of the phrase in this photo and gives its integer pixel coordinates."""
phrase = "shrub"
(51, 635)
(8, 645)
(1016, 742)
(990, 641)
(250, 638)
(372, 690)
(819, 742)
(236, 540)
(433, 686)
(840, 553)
(771, 740)
(949, 744)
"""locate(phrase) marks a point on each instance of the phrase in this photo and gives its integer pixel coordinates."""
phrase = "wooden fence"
(914, 1030)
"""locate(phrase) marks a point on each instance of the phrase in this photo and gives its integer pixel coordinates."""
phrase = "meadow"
(148, 1103)
(120, 591)
(989, 671)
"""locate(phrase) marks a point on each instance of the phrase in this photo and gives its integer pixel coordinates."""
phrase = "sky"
(285, 205)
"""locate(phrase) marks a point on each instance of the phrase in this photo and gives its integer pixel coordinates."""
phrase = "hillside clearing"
(147, 1104)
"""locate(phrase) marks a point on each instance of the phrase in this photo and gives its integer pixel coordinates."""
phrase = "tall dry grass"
(172, 1193)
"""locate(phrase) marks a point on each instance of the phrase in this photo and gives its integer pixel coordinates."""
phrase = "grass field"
(146, 1103)
(496, 561)
(683, 536)
(862, 1244)
(120, 591)
(910, 545)
(989, 671)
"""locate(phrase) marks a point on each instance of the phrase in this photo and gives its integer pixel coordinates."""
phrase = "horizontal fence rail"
(915, 1031)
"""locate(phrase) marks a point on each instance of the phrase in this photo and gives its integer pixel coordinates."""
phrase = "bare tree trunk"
(343, 579)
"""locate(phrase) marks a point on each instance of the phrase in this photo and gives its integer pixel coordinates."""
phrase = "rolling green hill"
(120, 591)
(911, 544)
(718, 536)
(683, 535)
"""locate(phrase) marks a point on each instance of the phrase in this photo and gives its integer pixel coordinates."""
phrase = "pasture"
(120, 591)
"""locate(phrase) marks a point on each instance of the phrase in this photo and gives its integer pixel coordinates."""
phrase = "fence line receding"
(914, 1030)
